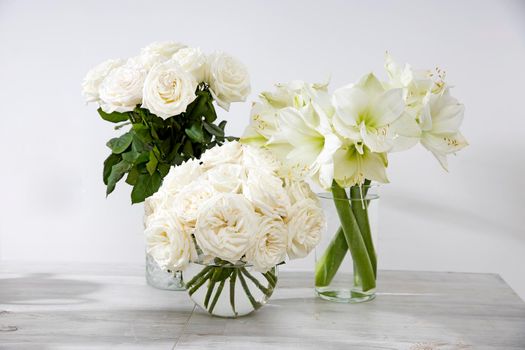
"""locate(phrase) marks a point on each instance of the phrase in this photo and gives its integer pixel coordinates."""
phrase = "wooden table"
(81, 306)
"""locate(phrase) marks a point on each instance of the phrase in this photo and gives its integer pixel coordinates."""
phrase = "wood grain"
(100, 307)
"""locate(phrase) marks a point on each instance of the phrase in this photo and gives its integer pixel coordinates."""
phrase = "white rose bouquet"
(166, 94)
(342, 140)
(229, 211)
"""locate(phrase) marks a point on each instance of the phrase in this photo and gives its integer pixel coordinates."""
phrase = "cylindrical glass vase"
(229, 290)
(346, 259)
(162, 279)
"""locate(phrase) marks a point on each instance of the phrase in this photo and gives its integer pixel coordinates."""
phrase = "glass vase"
(346, 259)
(162, 279)
(229, 290)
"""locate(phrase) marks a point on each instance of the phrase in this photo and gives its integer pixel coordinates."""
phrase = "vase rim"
(370, 195)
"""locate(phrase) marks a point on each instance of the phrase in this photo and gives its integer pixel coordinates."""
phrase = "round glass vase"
(346, 259)
(229, 290)
(162, 279)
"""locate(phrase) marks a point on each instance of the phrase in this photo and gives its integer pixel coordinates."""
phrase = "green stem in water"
(217, 295)
(360, 210)
(270, 277)
(211, 284)
(197, 276)
(233, 279)
(263, 289)
(333, 256)
(200, 282)
(353, 237)
(254, 303)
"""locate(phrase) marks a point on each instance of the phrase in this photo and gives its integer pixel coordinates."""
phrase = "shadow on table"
(44, 288)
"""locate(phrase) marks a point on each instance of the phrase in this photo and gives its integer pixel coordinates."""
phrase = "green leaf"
(142, 158)
(143, 133)
(213, 129)
(111, 160)
(130, 156)
(145, 186)
(195, 133)
(115, 117)
(152, 164)
(120, 144)
(210, 115)
(222, 124)
(133, 175)
(164, 169)
(117, 172)
(188, 149)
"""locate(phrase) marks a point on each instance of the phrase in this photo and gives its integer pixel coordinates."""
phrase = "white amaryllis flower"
(168, 243)
(352, 165)
(266, 192)
(368, 112)
(226, 226)
(188, 202)
(306, 223)
(228, 79)
(440, 122)
(121, 90)
(226, 177)
(168, 89)
(95, 76)
(269, 245)
(229, 152)
(193, 61)
(306, 143)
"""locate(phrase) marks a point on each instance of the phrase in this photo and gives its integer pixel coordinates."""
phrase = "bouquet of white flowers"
(166, 95)
(230, 211)
(342, 140)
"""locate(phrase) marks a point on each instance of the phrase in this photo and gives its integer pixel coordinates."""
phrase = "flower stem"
(197, 276)
(233, 279)
(211, 284)
(360, 210)
(270, 277)
(200, 282)
(258, 284)
(333, 256)
(353, 237)
(217, 295)
(254, 303)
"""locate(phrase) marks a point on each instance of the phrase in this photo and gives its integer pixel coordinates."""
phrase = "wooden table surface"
(81, 306)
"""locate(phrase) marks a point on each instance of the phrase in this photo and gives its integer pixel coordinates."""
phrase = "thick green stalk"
(333, 256)
(360, 210)
(353, 237)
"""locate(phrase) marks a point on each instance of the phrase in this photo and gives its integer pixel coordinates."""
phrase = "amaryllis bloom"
(369, 112)
(226, 226)
(440, 122)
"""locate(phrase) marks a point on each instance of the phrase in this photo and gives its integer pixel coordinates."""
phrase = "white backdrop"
(53, 206)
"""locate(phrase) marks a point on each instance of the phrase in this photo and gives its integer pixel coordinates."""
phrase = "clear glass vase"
(162, 279)
(346, 259)
(229, 290)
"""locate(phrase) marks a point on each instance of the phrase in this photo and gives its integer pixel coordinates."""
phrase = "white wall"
(53, 206)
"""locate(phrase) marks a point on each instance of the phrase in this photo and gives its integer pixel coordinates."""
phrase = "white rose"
(180, 176)
(121, 90)
(255, 157)
(266, 192)
(226, 177)
(193, 61)
(270, 243)
(306, 222)
(229, 152)
(165, 49)
(188, 202)
(299, 190)
(167, 242)
(228, 79)
(168, 89)
(160, 200)
(93, 79)
(226, 226)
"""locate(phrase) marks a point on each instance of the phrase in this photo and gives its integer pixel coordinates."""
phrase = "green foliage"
(153, 145)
